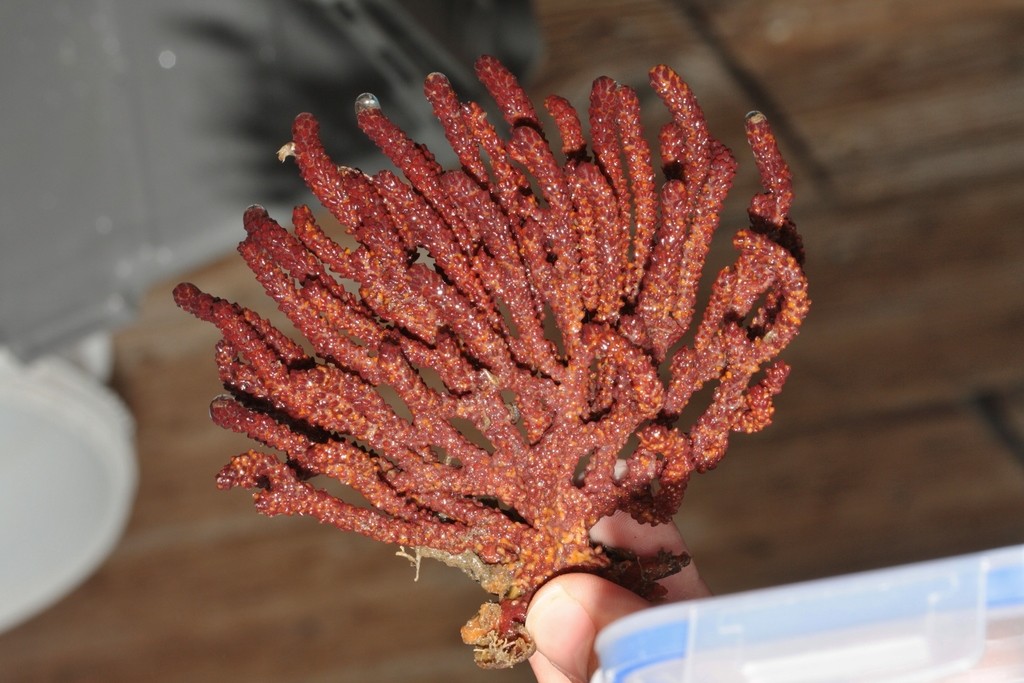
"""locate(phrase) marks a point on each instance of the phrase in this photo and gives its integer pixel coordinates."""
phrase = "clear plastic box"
(955, 619)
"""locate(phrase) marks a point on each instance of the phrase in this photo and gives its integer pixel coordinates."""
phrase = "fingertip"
(566, 615)
(620, 530)
(546, 672)
(580, 596)
(562, 630)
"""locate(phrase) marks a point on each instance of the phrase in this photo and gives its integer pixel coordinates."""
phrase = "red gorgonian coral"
(528, 316)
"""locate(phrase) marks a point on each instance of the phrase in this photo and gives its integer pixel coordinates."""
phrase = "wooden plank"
(855, 495)
(914, 303)
(890, 98)
(586, 39)
(289, 601)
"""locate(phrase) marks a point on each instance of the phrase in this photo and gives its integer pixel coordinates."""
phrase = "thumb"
(565, 617)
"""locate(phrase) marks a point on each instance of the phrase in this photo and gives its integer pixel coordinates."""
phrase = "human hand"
(567, 613)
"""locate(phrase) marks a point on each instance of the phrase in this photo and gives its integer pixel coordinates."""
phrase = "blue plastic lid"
(915, 622)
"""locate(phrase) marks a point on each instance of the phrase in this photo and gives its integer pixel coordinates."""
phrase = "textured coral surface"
(504, 358)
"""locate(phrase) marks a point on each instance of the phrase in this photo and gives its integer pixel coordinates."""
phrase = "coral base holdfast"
(517, 341)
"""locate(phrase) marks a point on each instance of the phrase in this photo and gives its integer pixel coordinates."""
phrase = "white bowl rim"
(57, 391)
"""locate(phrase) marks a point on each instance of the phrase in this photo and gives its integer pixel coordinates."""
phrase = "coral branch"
(520, 344)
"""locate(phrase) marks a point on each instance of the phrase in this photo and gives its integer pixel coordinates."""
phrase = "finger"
(546, 672)
(566, 615)
(619, 530)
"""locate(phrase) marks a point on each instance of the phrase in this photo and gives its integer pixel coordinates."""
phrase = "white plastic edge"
(55, 385)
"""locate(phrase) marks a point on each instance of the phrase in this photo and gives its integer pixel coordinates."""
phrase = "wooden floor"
(899, 437)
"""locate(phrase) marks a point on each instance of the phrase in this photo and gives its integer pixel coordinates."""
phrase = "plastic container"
(67, 483)
(956, 619)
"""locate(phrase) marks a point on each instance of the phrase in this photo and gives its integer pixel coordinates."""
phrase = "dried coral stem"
(482, 400)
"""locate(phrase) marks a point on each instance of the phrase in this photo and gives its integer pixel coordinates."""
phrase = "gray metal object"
(134, 133)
